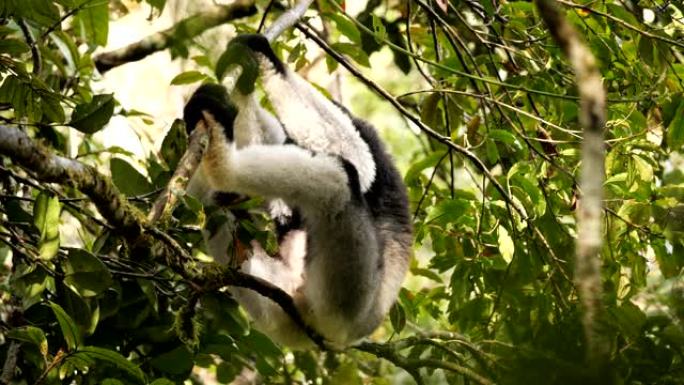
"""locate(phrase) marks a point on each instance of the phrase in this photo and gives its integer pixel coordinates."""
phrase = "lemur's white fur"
(344, 267)
(317, 123)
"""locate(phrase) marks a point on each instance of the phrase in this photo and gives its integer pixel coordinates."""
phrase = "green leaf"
(427, 273)
(268, 355)
(636, 212)
(643, 168)
(52, 108)
(202, 60)
(76, 362)
(226, 372)
(30, 334)
(86, 274)
(176, 361)
(46, 219)
(397, 317)
(401, 59)
(354, 51)
(93, 22)
(675, 131)
(42, 12)
(162, 381)
(175, 143)
(505, 243)
(13, 47)
(674, 191)
(646, 50)
(429, 110)
(28, 283)
(112, 381)
(622, 13)
(93, 116)
(346, 27)
(188, 77)
(70, 331)
(21, 95)
(417, 167)
(629, 318)
(347, 373)
(128, 179)
(502, 136)
(114, 358)
(379, 31)
(531, 194)
(447, 211)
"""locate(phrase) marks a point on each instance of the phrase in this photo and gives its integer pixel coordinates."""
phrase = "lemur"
(340, 204)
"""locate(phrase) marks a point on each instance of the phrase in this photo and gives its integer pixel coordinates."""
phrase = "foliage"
(490, 298)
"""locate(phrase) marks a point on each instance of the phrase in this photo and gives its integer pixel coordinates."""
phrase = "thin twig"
(35, 52)
(414, 119)
(622, 23)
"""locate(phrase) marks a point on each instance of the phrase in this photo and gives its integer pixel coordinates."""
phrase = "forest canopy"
(542, 145)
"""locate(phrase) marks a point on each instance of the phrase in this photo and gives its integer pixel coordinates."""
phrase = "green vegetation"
(92, 292)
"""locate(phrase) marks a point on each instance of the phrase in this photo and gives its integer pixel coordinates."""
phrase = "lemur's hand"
(245, 51)
(212, 98)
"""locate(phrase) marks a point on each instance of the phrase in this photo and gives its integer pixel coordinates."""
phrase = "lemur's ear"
(214, 99)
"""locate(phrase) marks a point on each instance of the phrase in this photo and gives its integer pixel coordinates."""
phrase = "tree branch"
(48, 167)
(589, 217)
(287, 19)
(233, 277)
(10, 364)
(197, 144)
(390, 352)
(183, 30)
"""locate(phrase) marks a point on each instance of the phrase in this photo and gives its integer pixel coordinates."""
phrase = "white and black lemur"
(339, 202)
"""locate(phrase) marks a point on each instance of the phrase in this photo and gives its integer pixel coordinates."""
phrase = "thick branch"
(183, 30)
(52, 168)
(589, 218)
(287, 20)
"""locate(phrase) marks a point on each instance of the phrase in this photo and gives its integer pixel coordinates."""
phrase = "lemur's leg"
(253, 124)
(319, 182)
(309, 118)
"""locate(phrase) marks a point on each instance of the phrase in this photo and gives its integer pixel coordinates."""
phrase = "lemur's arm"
(301, 178)
(309, 118)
